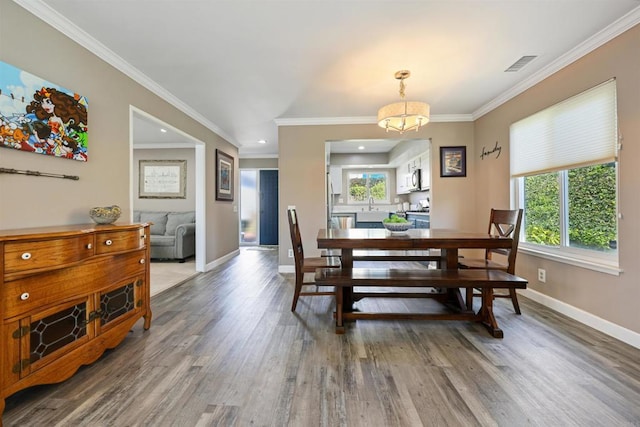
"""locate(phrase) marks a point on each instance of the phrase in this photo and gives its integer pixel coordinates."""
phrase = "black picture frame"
(224, 176)
(453, 161)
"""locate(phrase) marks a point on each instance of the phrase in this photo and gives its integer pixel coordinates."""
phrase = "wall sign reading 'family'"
(496, 149)
(41, 117)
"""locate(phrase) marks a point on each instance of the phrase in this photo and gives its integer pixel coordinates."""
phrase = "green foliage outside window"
(542, 207)
(363, 186)
(591, 206)
(358, 192)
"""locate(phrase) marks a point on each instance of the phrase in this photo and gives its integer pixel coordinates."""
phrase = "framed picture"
(163, 179)
(453, 161)
(224, 176)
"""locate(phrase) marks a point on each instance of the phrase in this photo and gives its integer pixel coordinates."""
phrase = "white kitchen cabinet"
(403, 179)
(425, 177)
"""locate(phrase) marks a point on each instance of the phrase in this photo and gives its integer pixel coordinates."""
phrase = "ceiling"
(242, 67)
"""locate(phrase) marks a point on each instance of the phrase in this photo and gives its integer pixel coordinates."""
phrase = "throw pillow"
(174, 219)
(159, 220)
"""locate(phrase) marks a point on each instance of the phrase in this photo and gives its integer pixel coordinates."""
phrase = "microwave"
(415, 180)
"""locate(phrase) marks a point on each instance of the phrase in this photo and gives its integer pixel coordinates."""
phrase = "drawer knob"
(108, 243)
(142, 261)
(24, 296)
(89, 245)
(26, 256)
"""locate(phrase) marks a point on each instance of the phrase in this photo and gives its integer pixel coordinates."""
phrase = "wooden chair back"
(296, 241)
(506, 223)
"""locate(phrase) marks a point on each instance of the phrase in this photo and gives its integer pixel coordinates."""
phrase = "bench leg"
(469, 299)
(486, 314)
(339, 310)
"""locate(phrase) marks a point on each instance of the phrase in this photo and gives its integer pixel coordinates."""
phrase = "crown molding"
(50, 16)
(44, 12)
(163, 145)
(603, 36)
(363, 120)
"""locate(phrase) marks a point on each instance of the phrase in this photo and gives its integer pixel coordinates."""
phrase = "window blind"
(579, 131)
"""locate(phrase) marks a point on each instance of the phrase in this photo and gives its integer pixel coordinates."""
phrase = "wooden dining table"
(448, 242)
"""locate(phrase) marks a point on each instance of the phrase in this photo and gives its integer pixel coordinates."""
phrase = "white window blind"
(580, 131)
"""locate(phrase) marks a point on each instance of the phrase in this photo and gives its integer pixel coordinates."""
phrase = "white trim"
(71, 30)
(616, 331)
(592, 43)
(286, 269)
(565, 257)
(311, 121)
(200, 178)
(215, 263)
(162, 145)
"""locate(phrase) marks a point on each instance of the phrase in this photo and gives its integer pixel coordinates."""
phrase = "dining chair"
(306, 264)
(505, 223)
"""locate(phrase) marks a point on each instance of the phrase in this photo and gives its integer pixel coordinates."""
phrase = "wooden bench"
(486, 280)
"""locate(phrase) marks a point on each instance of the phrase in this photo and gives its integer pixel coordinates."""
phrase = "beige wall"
(253, 163)
(609, 297)
(174, 205)
(28, 43)
(302, 177)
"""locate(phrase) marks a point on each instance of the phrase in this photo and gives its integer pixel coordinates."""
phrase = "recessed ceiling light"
(163, 130)
(361, 147)
(262, 141)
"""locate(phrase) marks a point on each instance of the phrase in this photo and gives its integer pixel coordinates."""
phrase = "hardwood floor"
(224, 349)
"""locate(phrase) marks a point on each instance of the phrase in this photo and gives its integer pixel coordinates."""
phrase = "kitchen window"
(564, 167)
(365, 185)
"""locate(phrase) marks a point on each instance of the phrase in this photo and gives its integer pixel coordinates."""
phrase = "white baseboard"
(623, 334)
(213, 264)
(286, 269)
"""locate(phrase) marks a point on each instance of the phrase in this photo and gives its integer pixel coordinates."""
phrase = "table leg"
(486, 314)
(449, 261)
(346, 261)
(339, 310)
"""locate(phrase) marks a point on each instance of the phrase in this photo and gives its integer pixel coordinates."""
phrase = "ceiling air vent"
(517, 66)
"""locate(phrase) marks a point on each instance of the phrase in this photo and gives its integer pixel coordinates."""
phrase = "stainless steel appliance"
(415, 180)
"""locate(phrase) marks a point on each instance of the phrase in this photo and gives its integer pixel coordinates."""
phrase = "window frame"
(585, 258)
(368, 172)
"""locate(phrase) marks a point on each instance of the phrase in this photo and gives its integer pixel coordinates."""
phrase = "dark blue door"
(268, 207)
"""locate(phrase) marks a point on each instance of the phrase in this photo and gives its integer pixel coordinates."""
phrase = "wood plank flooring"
(225, 350)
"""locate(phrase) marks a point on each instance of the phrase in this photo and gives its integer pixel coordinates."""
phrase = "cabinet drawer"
(41, 290)
(116, 241)
(24, 256)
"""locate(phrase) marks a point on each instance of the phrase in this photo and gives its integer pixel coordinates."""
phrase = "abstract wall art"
(41, 117)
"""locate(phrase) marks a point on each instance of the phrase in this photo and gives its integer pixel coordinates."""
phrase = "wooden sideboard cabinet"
(67, 294)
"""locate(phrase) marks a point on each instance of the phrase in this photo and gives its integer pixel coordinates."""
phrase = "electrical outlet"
(290, 253)
(542, 275)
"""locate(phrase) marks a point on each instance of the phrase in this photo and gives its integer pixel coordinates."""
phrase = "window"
(364, 185)
(564, 166)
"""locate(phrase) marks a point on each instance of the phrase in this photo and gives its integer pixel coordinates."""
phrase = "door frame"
(200, 179)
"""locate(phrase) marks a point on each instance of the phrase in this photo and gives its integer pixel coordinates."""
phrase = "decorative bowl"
(105, 214)
(397, 227)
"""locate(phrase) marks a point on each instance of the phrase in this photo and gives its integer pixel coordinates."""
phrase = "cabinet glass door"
(52, 331)
(120, 301)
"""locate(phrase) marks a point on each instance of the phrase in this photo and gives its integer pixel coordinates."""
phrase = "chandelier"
(405, 115)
